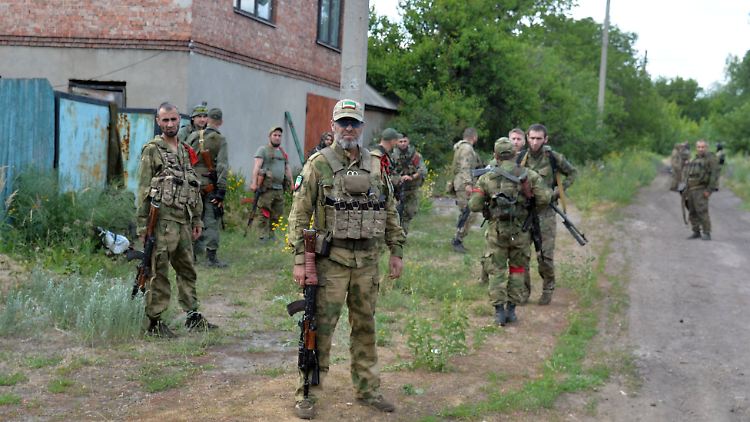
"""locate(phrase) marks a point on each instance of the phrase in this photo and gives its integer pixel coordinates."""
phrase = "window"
(261, 9)
(110, 91)
(329, 23)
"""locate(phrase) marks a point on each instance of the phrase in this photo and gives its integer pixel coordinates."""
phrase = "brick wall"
(288, 46)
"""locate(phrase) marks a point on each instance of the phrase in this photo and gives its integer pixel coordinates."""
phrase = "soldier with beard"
(273, 163)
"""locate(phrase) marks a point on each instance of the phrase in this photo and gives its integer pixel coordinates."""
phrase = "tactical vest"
(353, 205)
(523, 155)
(175, 185)
(407, 163)
(274, 161)
(504, 198)
(698, 172)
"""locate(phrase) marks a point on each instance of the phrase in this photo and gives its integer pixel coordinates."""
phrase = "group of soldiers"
(513, 193)
(695, 180)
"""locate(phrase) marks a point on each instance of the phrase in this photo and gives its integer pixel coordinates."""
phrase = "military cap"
(503, 145)
(215, 113)
(200, 109)
(348, 108)
(390, 134)
(274, 129)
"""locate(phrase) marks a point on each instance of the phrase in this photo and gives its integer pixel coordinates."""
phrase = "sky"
(686, 38)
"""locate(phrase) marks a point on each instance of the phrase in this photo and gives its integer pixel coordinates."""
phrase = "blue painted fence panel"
(136, 128)
(82, 143)
(27, 129)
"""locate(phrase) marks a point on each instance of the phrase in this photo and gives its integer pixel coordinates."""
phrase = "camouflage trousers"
(211, 227)
(410, 208)
(358, 288)
(174, 246)
(506, 259)
(462, 200)
(270, 207)
(546, 260)
(697, 205)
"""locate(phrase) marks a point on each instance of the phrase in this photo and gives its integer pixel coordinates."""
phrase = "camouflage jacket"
(543, 161)
(151, 166)
(317, 184)
(409, 163)
(702, 172)
(465, 159)
(216, 145)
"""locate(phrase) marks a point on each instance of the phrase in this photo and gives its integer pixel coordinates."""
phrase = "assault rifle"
(480, 171)
(258, 192)
(400, 196)
(463, 217)
(531, 224)
(577, 235)
(682, 190)
(307, 361)
(144, 270)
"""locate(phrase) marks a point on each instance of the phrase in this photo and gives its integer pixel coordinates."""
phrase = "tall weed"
(737, 177)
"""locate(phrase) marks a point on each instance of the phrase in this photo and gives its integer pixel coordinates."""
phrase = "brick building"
(256, 59)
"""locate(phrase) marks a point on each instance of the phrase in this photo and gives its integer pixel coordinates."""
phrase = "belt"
(354, 244)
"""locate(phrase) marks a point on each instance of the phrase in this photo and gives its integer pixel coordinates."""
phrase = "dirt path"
(687, 319)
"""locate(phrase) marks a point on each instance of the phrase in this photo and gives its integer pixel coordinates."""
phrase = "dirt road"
(689, 327)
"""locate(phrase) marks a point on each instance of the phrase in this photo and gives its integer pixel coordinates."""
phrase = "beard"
(347, 145)
(275, 144)
(170, 133)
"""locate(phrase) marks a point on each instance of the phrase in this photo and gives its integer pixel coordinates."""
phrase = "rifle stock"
(258, 192)
(465, 213)
(577, 235)
(145, 270)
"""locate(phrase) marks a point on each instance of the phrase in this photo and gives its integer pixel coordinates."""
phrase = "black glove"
(220, 194)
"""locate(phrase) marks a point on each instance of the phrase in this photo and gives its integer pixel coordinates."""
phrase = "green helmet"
(201, 108)
(503, 145)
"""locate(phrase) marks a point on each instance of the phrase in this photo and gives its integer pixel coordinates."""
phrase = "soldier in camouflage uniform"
(700, 176)
(411, 168)
(198, 121)
(503, 196)
(212, 145)
(334, 179)
(166, 180)
(551, 166)
(465, 159)
(273, 162)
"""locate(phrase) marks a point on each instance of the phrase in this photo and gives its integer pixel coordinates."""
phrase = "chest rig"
(352, 201)
(175, 185)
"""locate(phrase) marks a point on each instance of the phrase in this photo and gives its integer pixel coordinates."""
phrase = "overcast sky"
(686, 38)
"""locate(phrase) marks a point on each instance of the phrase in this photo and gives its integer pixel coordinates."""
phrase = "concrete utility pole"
(603, 68)
(354, 49)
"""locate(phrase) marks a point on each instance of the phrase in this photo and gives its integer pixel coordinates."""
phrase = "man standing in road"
(198, 121)
(411, 168)
(272, 166)
(465, 159)
(551, 166)
(333, 182)
(167, 182)
(212, 167)
(700, 177)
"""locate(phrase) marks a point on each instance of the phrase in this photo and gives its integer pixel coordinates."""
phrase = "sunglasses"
(349, 121)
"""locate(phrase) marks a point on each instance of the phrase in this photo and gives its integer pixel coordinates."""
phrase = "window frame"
(237, 5)
(326, 43)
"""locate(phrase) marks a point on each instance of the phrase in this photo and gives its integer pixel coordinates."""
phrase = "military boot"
(196, 322)
(500, 315)
(511, 313)
(305, 409)
(378, 403)
(458, 245)
(695, 235)
(213, 261)
(546, 298)
(706, 236)
(158, 328)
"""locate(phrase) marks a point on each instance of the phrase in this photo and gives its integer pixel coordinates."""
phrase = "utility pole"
(603, 68)
(354, 49)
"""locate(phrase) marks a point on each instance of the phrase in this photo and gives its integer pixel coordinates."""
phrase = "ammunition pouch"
(355, 219)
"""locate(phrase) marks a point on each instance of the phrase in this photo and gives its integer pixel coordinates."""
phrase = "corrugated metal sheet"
(136, 128)
(27, 128)
(82, 142)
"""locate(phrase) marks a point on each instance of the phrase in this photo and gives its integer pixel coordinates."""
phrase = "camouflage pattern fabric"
(465, 159)
(272, 201)
(701, 176)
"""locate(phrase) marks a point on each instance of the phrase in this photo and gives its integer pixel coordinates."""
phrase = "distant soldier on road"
(700, 178)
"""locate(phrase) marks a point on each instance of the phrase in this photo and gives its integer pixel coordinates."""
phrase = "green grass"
(736, 176)
(8, 399)
(272, 372)
(60, 385)
(37, 362)
(12, 379)
(155, 377)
